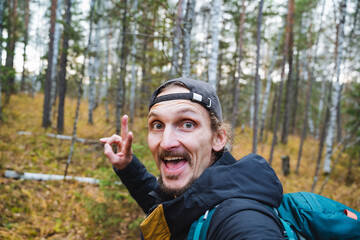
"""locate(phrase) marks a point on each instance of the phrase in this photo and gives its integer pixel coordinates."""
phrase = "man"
(187, 138)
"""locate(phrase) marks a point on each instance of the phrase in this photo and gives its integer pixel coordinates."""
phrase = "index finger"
(124, 127)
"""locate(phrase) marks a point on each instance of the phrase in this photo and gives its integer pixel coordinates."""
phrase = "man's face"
(180, 139)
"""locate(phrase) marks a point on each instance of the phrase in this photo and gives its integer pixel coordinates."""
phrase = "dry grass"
(335, 188)
(70, 210)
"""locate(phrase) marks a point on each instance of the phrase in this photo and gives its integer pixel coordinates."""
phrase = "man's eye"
(188, 125)
(157, 126)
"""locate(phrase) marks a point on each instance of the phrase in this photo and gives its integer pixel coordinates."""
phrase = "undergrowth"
(72, 210)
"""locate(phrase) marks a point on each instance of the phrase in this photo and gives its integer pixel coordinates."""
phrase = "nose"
(169, 139)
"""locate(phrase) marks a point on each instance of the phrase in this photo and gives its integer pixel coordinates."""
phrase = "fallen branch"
(49, 177)
(62, 137)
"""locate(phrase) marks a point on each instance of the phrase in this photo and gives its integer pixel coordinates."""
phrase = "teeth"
(172, 158)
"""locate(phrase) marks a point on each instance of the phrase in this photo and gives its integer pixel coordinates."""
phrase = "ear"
(219, 140)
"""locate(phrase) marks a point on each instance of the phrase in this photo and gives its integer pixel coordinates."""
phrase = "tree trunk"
(338, 117)
(46, 121)
(268, 84)
(92, 69)
(336, 90)
(73, 139)
(26, 38)
(121, 81)
(306, 117)
(273, 108)
(188, 22)
(10, 49)
(80, 93)
(286, 121)
(62, 73)
(284, 60)
(54, 63)
(133, 67)
(321, 106)
(322, 97)
(309, 94)
(311, 123)
(345, 144)
(239, 52)
(219, 69)
(215, 20)
(144, 75)
(257, 79)
(206, 16)
(41, 61)
(296, 93)
(1, 29)
(321, 147)
(176, 40)
(106, 69)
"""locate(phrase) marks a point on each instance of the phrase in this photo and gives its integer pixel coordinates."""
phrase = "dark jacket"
(240, 188)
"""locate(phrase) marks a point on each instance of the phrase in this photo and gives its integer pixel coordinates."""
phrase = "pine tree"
(46, 121)
(257, 79)
(26, 39)
(63, 63)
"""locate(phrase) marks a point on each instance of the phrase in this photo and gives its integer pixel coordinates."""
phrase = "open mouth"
(174, 163)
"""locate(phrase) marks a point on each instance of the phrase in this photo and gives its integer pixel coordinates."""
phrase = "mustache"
(175, 153)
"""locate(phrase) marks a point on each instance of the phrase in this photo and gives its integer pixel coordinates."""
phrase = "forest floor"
(72, 210)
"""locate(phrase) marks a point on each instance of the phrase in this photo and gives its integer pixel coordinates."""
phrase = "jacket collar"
(251, 177)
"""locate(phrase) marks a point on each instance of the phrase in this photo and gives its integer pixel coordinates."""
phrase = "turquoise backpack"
(304, 216)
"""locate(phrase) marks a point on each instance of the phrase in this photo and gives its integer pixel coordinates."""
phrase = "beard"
(175, 192)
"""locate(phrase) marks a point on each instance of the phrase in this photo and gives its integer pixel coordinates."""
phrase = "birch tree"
(106, 68)
(205, 12)
(213, 60)
(26, 39)
(93, 65)
(239, 53)
(268, 84)
(323, 134)
(133, 65)
(320, 106)
(46, 120)
(188, 22)
(62, 73)
(335, 91)
(257, 79)
(176, 40)
(54, 61)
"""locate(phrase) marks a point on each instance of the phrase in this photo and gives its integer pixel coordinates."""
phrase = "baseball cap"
(200, 92)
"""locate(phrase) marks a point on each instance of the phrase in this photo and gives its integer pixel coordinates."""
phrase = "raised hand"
(124, 153)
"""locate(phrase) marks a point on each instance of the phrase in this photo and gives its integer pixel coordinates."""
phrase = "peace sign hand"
(124, 153)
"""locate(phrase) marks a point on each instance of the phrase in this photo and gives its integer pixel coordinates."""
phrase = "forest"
(286, 71)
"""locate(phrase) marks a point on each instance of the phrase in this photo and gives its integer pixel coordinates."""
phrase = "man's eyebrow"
(187, 109)
(180, 110)
(152, 114)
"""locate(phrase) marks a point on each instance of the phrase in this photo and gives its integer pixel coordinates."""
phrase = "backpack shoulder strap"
(288, 233)
(199, 228)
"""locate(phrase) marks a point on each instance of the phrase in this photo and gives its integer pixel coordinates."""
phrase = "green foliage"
(353, 124)
(136, 223)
